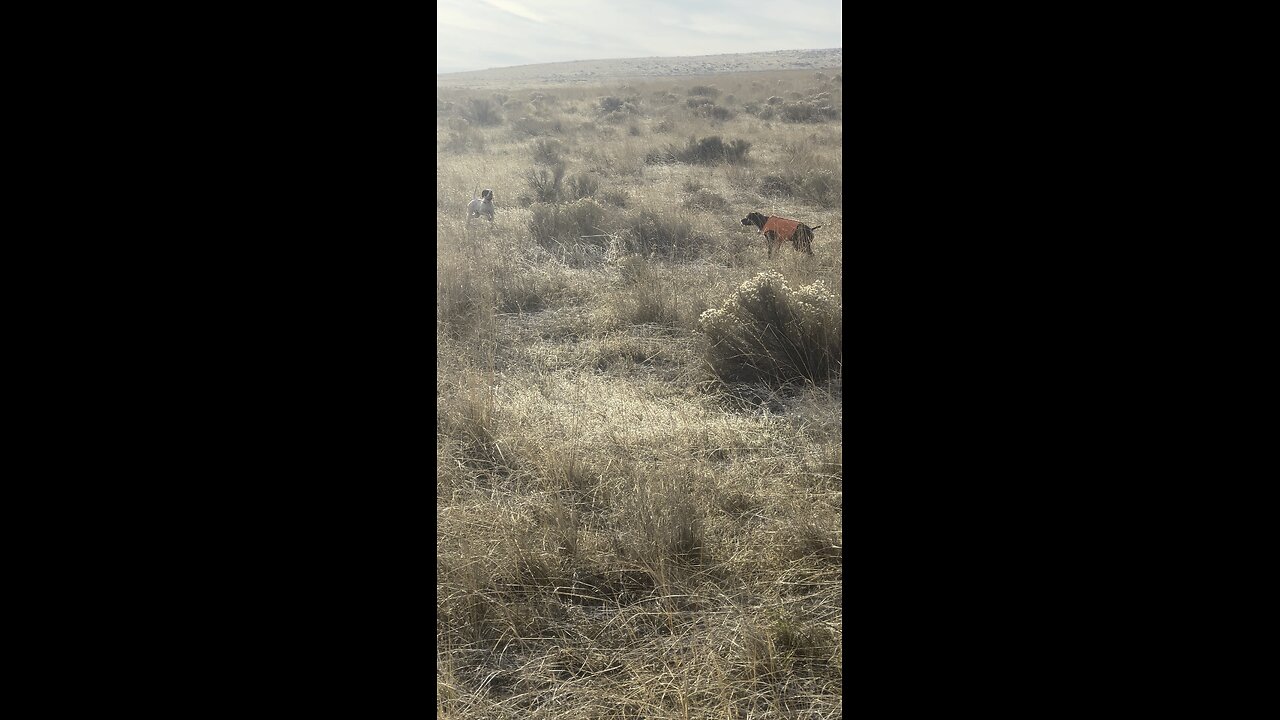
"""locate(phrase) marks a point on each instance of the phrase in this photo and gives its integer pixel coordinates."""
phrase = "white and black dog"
(482, 205)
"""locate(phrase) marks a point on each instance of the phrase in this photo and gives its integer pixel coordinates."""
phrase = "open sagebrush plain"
(638, 446)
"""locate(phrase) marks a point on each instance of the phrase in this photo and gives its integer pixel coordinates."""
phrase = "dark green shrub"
(704, 90)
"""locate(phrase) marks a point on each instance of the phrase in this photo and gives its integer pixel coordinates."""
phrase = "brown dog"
(777, 230)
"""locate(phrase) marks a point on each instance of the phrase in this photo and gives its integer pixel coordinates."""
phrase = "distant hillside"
(592, 71)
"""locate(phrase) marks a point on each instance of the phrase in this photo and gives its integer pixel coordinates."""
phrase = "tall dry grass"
(631, 520)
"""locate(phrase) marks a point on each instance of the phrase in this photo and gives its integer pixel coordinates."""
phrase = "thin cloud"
(514, 8)
(481, 34)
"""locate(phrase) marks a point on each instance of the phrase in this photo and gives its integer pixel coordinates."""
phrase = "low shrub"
(716, 112)
(548, 151)
(554, 225)
(582, 185)
(768, 332)
(484, 112)
(618, 197)
(662, 156)
(708, 201)
(817, 185)
(546, 185)
(537, 126)
(807, 111)
(465, 140)
(705, 151)
(542, 100)
(667, 234)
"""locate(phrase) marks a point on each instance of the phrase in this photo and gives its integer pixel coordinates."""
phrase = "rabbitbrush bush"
(767, 331)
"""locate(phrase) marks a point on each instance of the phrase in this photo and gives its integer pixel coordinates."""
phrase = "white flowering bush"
(768, 331)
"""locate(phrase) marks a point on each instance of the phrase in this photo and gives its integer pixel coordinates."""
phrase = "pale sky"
(483, 34)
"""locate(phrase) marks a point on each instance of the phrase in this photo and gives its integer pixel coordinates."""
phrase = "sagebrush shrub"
(582, 185)
(546, 184)
(548, 151)
(669, 234)
(617, 196)
(807, 111)
(465, 140)
(481, 111)
(554, 224)
(707, 200)
(820, 186)
(704, 151)
(715, 112)
(767, 331)
(537, 126)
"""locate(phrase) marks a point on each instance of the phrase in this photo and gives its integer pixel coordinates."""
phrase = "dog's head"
(755, 218)
(486, 194)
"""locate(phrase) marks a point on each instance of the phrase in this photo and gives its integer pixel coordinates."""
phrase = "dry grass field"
(639, 463)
